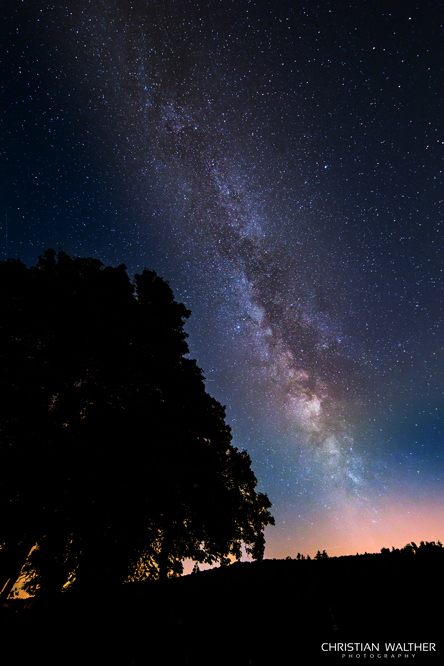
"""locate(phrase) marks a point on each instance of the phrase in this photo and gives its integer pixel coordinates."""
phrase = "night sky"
(281, 165)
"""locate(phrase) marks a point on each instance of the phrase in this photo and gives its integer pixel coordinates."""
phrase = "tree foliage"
(117, 465)
(425, 549)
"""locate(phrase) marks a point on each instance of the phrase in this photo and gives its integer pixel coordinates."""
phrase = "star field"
(281, 165)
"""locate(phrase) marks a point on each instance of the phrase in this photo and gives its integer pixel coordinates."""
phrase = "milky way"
(282, 168)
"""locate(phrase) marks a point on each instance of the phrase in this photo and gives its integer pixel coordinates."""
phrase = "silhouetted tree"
(425, 549)
(116, 463)
(409, 549)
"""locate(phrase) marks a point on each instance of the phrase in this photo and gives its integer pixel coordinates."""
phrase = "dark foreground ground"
(274, 612)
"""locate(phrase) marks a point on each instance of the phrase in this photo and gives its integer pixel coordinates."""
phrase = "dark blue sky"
(281, 165)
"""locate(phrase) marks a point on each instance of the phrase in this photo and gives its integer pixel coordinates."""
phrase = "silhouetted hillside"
(247, 613)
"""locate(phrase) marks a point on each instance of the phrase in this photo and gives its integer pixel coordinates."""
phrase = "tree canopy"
(116, 463)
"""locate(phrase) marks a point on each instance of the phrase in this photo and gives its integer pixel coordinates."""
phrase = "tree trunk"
(13, 559)
(164, 556)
